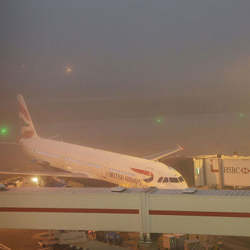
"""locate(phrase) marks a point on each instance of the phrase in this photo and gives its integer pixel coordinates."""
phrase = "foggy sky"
(120, 48)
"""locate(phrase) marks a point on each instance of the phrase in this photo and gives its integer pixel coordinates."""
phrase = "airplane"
(86, 162)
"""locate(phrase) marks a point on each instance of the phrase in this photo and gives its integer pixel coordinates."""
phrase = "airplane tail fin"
(28, 130)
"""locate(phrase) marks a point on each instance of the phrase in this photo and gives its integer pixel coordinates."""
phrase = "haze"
(84, 60)
(125, 48)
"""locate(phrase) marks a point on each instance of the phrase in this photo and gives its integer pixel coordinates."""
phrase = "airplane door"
(66, 163)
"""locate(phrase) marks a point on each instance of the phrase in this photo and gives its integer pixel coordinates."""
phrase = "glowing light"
(159, 120)
(198, 171)
(68, 70)
(242, 115)
(34, 179)
(4, 131)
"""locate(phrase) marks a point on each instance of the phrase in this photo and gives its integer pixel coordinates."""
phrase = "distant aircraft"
(81, 161)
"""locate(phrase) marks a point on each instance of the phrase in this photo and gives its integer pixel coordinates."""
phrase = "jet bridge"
(214, 212)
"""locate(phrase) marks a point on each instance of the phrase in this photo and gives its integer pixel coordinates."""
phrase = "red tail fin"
(28, 130)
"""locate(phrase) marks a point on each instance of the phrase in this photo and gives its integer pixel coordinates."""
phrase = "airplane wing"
(50, 173)
(164, 154)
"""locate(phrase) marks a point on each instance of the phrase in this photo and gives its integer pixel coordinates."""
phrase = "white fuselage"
(117, 168)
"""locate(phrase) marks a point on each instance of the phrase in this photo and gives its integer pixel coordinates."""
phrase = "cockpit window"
(181, 179)
(160, 179)
(173, 179)
(165, 180)
(149, 179)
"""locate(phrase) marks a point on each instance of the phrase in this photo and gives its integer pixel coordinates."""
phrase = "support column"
(141, 238)
(148, 238)
(144, 217)
(221, 173)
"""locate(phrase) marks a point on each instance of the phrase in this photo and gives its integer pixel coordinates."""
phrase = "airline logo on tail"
(28, 130)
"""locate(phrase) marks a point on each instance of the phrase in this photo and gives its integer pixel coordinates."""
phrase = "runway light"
(159, 120)
(34, 179)
(4, 131)
(242, 115)
(68, 70)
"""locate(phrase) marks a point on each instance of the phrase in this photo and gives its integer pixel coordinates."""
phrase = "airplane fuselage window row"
(170, 179)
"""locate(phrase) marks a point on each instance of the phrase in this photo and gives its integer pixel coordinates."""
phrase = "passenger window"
(165, 180)
(160, 179)
(173, 179)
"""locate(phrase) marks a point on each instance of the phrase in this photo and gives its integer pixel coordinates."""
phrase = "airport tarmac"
(19, 239)
(27, 240)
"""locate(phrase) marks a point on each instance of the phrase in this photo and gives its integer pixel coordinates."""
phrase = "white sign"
(236, 172)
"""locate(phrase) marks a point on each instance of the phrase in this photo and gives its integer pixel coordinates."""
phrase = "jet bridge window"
(160, 179)
(173, 179)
